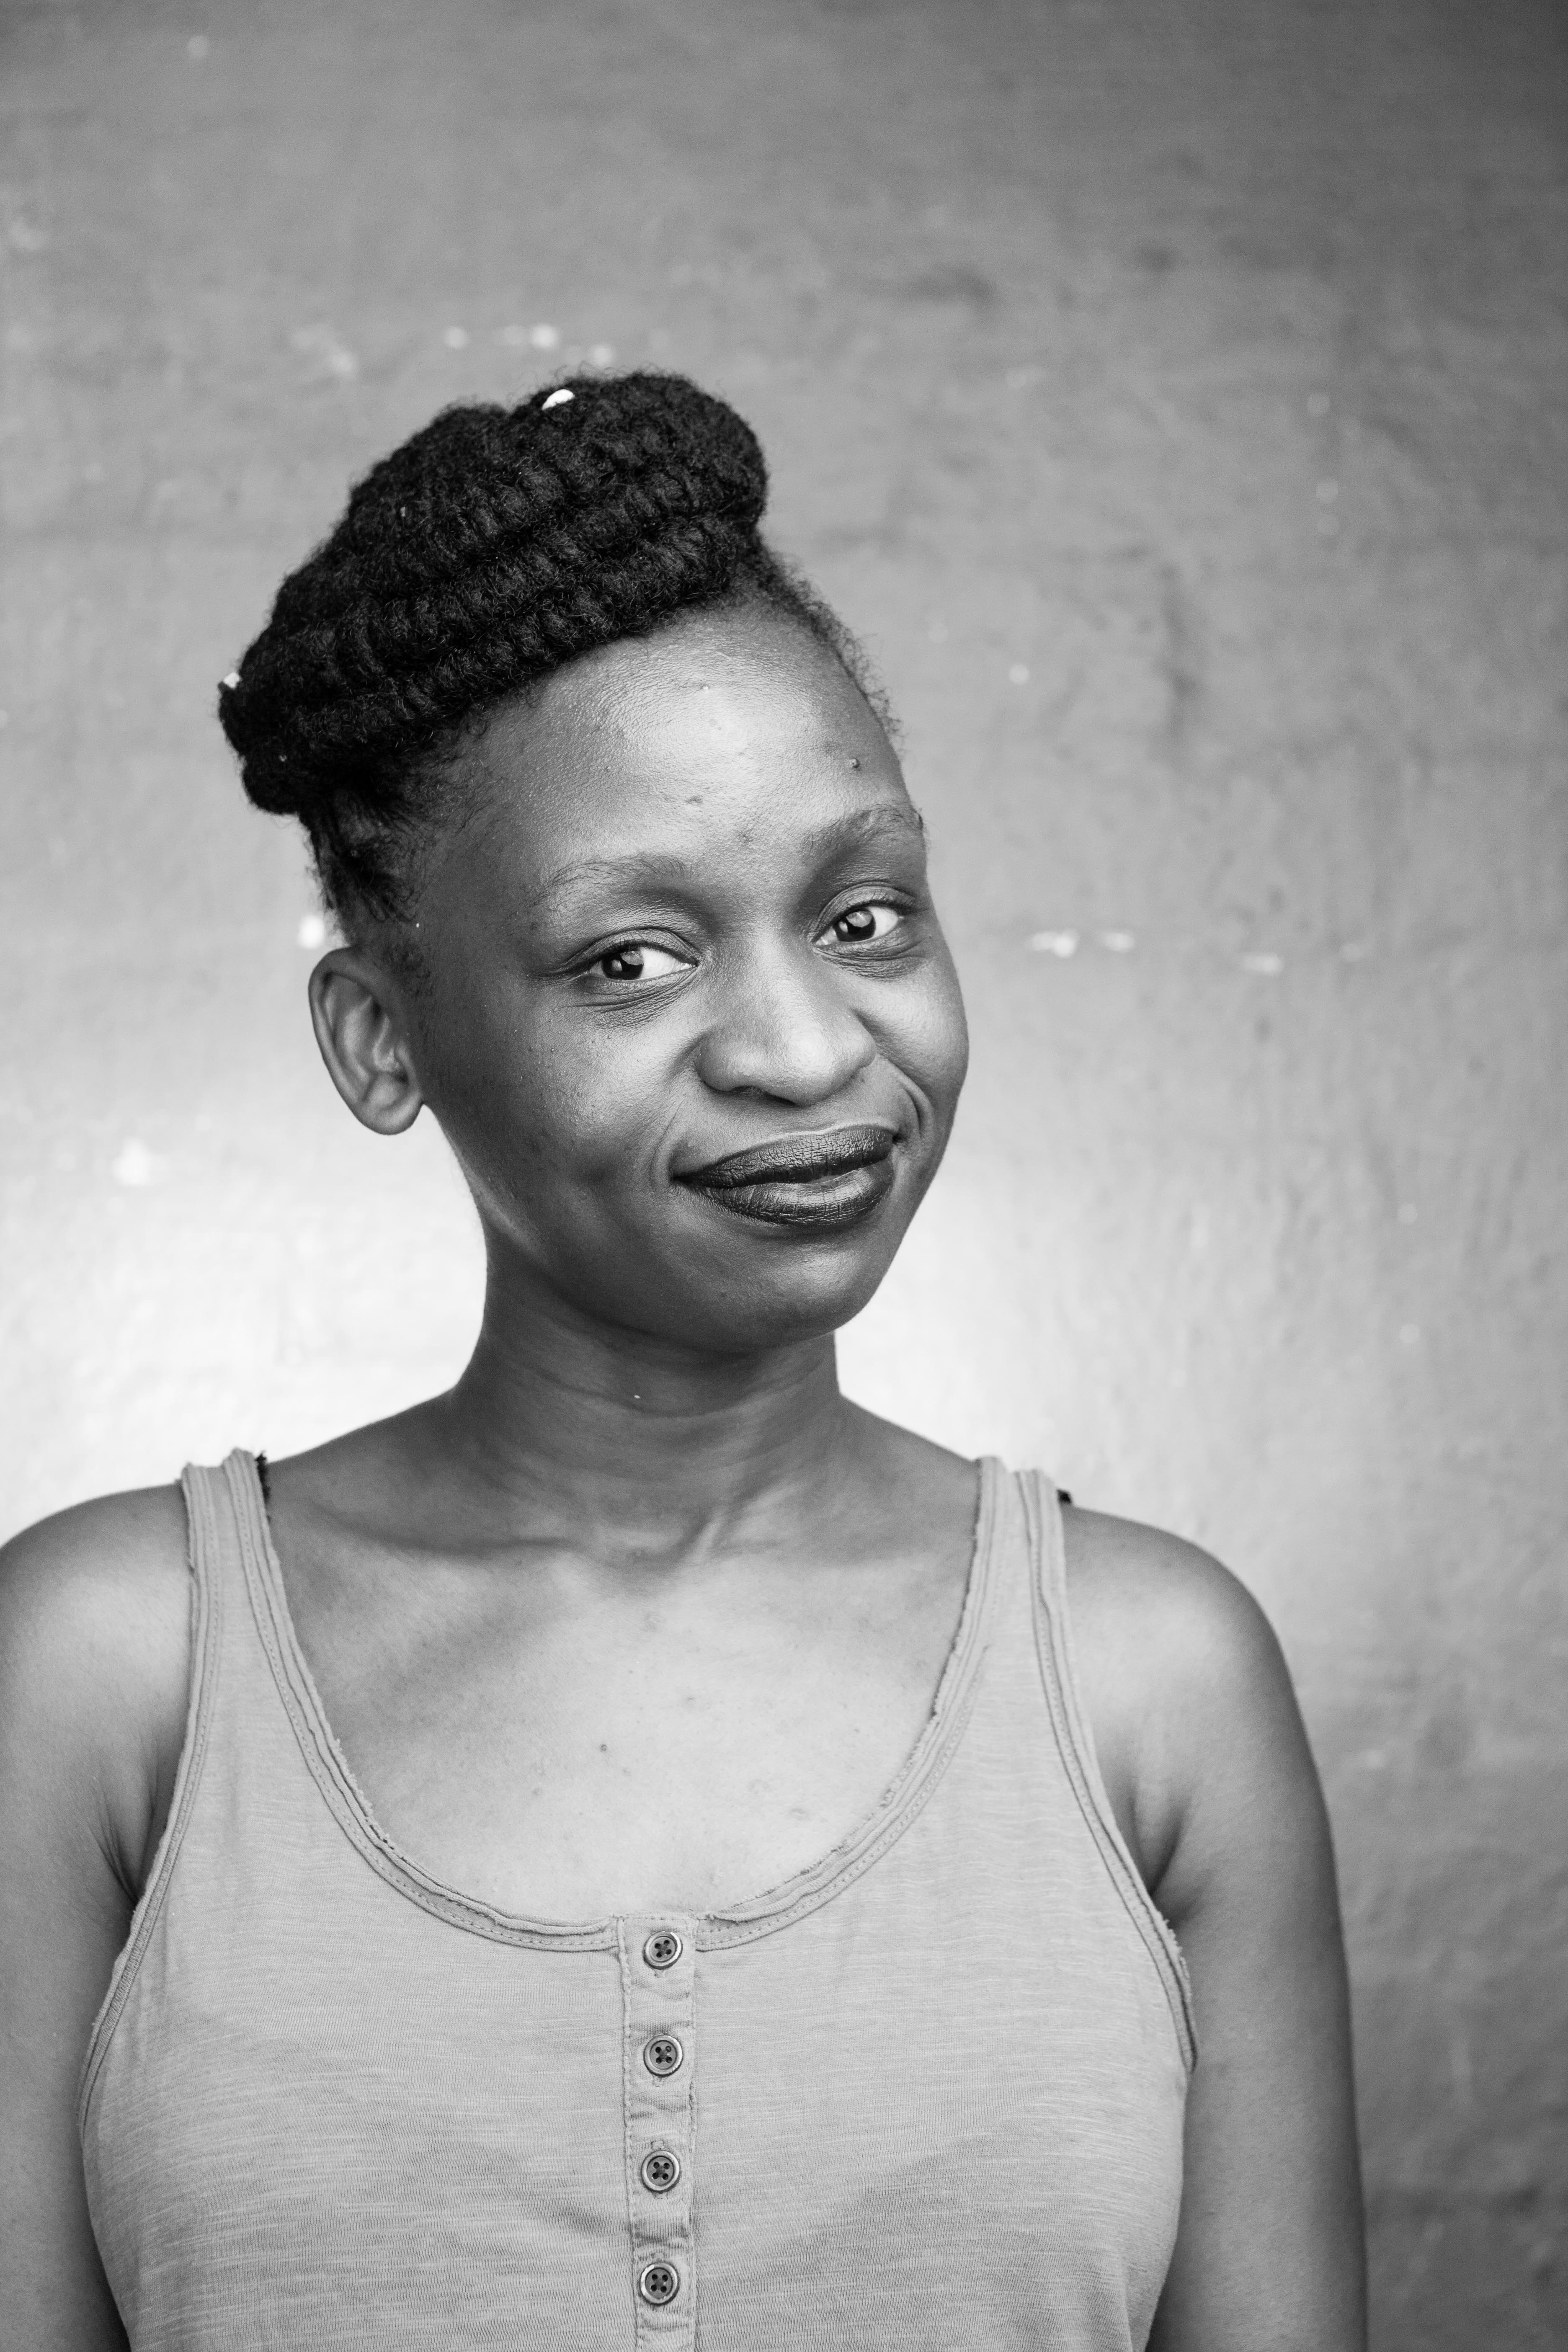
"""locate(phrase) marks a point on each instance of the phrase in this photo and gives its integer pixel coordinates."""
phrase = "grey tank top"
(926, 2097)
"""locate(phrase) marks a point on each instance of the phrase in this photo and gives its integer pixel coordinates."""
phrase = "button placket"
(657, 1979)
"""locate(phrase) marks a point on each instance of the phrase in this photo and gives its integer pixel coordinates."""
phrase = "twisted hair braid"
(491, 548)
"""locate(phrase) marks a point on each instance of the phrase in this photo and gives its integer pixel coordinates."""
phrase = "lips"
(801, 1179)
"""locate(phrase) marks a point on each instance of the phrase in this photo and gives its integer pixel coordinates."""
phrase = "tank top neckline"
(775, 1907)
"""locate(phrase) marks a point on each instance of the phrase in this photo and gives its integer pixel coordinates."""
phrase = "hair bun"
(660, 430)
(495, 545)
(633, 455)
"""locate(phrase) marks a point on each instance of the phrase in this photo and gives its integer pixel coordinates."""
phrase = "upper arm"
(1206, 1756)
(94, 1647)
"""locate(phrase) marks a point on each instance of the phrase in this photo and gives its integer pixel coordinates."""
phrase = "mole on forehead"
(900, 819)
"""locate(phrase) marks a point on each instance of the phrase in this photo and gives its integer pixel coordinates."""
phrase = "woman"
(630, 1851)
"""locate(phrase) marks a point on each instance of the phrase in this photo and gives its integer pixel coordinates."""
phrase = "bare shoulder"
(94, 1662)
(1187, 1693)
(1204, 1758)
(1152, 1604)
(87, 1578)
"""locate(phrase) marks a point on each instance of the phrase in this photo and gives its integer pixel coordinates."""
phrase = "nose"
(784, 1030)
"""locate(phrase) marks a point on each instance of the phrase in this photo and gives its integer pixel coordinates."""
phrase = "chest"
(570, 1761)
(941, 2108)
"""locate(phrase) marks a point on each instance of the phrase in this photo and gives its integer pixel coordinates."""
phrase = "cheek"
(934, 1041)
(529, 1105)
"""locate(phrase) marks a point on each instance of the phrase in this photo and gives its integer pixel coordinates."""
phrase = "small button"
(662, 2055)
(663, 1948)
(658, 2282)
(660, 2170)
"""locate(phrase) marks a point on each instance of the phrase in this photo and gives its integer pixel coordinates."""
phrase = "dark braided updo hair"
(493, 547)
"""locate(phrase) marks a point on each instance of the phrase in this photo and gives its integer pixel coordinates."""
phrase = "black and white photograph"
(784, 1174)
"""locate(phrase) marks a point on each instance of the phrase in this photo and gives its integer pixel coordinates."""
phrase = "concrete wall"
(1172, 391)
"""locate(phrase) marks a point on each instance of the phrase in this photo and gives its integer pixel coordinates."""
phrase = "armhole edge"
(205, 1607)
(1075, 1741)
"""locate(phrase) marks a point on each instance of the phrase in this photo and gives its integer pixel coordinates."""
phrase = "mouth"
(820, 1181)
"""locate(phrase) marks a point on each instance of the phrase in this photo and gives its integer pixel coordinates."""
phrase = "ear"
(360, 1029)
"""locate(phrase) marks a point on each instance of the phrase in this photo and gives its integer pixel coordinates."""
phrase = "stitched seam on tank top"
(715, 1932)
(206, 1621)
(923, 1769)
(328, 1766)
(624, 1965)
(1051, 1642)
(909, 1791)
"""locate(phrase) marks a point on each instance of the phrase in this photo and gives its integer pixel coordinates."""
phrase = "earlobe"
(360, 1031)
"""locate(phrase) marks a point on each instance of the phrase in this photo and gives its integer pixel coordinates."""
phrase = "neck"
(643, 1445)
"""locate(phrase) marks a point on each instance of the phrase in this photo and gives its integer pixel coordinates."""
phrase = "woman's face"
(690, 1025)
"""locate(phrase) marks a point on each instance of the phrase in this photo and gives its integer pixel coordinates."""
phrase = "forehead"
(723, 722)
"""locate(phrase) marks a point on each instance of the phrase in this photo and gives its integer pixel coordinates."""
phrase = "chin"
(783, 1314)
(782, 1289)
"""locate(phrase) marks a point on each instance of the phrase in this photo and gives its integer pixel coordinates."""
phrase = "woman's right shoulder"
(95, 1619)
(94, 1666)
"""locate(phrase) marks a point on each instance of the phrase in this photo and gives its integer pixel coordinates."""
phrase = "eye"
(858, 926)
(637, 959)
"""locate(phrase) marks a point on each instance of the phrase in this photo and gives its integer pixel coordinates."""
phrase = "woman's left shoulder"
(1186, 1689)
(1164, 1609)
(1204, 1759)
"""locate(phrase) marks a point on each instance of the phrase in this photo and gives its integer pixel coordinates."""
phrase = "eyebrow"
(646, 865)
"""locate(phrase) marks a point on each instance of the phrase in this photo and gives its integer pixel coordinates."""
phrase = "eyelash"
(633, 945)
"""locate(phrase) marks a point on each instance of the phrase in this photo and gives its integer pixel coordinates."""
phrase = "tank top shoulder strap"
(217, 1599)
(1053, 1636)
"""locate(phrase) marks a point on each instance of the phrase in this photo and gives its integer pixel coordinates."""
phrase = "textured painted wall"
(1172, 391)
